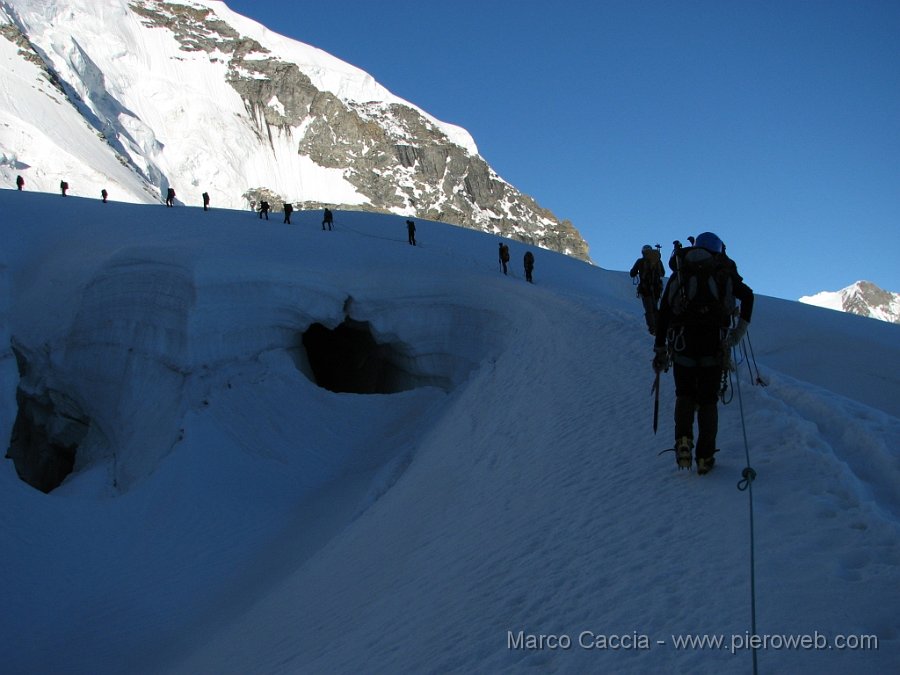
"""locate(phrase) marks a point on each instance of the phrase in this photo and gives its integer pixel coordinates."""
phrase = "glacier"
(227, 514)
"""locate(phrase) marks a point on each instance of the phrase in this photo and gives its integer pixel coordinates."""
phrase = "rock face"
(390, 156)
(867, 299)
(390, 153)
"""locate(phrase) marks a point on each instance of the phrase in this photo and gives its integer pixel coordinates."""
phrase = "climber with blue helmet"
(710, 242)
(694, 334)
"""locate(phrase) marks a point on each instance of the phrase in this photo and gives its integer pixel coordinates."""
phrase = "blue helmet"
(709, 241)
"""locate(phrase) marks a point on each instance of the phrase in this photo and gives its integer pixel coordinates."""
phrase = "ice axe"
(655, 390)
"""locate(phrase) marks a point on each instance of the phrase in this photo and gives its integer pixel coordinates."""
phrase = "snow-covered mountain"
(137, 96)
(863, 298)
(485, 473)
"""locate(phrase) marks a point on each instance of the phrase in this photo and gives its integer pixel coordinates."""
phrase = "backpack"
(650, 265)
(701, 292)
(651, 277)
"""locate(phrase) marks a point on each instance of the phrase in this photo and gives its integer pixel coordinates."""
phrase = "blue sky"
(774, 124)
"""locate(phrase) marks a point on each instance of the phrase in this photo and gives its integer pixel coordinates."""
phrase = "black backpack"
(650, 273)
(701, 292)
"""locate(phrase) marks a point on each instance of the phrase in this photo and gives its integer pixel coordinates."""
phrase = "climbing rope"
(347, 228)
(757, 378)
(748, 475)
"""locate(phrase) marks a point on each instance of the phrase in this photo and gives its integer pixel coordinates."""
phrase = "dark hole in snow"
(44, 441)
(349, 360)
(47, 432)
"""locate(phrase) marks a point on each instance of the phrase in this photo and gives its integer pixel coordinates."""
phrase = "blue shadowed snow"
(227, 515)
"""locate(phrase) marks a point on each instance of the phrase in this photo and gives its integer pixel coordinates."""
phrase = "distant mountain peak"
(863, 298)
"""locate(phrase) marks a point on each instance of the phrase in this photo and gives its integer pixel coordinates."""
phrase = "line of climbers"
(104, 194)
(528, 262)
(327, 222)
(694, 328)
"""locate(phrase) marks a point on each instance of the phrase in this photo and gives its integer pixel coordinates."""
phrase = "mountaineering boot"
(705, 465)
(683, 451)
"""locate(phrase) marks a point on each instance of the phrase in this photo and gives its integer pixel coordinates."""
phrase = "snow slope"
(45, 135)
(227, 515)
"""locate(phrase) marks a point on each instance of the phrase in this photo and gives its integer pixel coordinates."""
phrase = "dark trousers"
(650, 311)
(697, 390)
